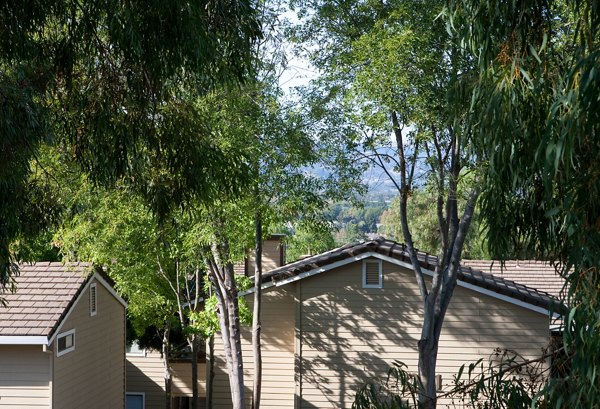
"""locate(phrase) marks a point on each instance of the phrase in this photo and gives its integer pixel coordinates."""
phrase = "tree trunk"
(428, 348)
(223, 279)
(211, 372)
(194, 345)
(256, 325)
(167, 367)
(236, 367)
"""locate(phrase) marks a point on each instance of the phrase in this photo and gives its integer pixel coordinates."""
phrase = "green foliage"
(505, 381)
(536, 120)
(398, 391)
(424, 226)
(113, 83)
(308, 240)
(206, 321)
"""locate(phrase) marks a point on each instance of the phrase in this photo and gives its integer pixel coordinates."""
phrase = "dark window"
(65, 343)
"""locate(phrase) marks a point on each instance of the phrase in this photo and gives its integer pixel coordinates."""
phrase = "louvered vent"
(372, 274)
(93, 300)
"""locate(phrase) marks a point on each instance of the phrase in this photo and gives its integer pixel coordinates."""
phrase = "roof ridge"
(390, 248)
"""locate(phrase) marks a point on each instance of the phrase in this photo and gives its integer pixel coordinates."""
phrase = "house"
(146, 384)
(62, 340)
(334, 320)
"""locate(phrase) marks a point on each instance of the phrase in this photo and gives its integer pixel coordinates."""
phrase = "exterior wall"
(277, 354)
(348, 334)
(146, 374)
(93, 375)
(24, 377)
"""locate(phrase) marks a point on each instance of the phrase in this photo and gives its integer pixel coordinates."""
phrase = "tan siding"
(349, 334)
(24, 377)
(93, 375)
(182, 379)
(278, 355)
(146, 374)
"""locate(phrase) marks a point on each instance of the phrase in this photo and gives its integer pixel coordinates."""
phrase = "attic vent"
(372, 274)
(93, 300)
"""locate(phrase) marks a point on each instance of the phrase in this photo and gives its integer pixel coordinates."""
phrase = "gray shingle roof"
(499, 285)
(44, 293)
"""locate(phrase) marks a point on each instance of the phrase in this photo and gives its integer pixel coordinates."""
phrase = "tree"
(424, 226)
(108, 81)
(308, 240)
(154, 266)
(272, 136)
(536, 120)
(386, 69)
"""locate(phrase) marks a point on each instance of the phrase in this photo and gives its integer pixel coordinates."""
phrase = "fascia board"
(23, 340)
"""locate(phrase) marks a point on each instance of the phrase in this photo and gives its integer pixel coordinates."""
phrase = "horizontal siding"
(24, 377)
(93, 375)
(350, 334)
(146, 374)
(277, 355)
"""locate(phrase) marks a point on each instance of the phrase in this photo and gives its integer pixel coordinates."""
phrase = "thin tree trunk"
(194, 345)
(236, 369)
(226, 292)
(211, 372)
(256, 324)
(167, 367)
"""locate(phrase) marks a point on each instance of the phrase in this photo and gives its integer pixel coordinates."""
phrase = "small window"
(93, 300)
(372, 274)
(134, 349)
(65, 342)
(135, 400)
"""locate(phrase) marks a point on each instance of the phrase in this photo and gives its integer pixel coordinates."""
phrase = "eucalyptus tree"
(107, 81)
(536, 120)
(386, 68)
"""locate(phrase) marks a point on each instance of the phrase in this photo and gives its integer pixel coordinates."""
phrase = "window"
(93, 300)
(65, 342)
(134, 349)
(372, 274)
(135, 400)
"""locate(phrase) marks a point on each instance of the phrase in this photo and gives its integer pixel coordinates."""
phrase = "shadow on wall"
(139, 382)
(351, 334)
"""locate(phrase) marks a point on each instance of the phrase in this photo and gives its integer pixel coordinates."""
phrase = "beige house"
(334, 320)
(62, 340)
(146, 384)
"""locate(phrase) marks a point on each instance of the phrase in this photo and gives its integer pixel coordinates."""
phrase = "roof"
(43, 298)
(533, 273)
(391, 251)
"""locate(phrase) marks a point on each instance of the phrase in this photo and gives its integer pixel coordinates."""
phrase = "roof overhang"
(369, 254)
(23, 340)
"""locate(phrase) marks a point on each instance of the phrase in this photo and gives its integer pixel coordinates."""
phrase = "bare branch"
(404, 192)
